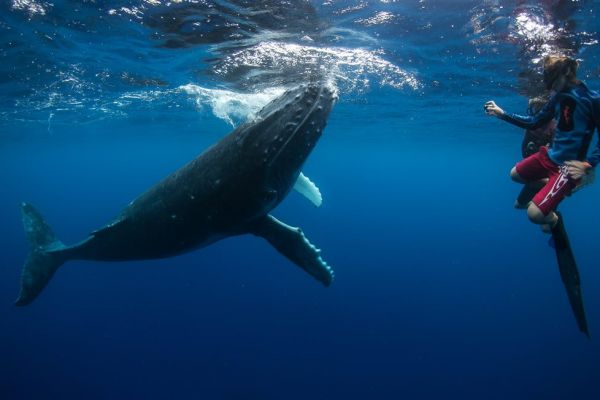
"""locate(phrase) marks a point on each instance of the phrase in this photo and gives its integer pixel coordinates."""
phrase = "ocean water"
(442, 289)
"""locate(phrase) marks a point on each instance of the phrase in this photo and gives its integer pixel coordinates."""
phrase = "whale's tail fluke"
(44, 258)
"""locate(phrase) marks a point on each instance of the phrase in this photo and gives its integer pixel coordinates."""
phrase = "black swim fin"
(569, 273)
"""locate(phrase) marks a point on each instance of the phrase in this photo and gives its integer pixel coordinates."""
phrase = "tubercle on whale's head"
(287, 130)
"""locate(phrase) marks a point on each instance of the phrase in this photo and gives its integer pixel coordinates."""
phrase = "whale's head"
(286, 131)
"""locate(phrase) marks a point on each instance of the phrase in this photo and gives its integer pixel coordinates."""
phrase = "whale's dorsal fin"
(308, 189)
(292, 243)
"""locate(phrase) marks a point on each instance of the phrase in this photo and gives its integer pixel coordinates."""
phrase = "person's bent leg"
(532, 172)
(546, 201)
(527, 192)
(537, 216)
(514, 175)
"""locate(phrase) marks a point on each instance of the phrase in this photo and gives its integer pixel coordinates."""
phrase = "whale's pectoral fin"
(292, 243)
(308, 189)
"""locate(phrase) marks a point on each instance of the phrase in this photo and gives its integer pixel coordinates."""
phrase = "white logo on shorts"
(563, 178)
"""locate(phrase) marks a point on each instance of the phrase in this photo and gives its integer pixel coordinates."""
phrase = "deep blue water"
(442, 289)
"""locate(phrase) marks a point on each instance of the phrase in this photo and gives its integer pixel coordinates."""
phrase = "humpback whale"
(229, 189)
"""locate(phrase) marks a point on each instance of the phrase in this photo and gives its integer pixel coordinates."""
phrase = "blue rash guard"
(577, 110)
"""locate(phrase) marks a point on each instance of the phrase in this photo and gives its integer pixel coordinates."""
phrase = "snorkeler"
(564, 162)
(561, 167)
(533, 140)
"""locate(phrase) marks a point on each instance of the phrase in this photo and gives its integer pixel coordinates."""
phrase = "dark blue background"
(442, 289)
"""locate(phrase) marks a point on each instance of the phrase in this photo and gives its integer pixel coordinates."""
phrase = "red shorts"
(539, 166)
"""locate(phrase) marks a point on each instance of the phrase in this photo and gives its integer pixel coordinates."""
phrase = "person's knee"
(514, 175)
(535, 214)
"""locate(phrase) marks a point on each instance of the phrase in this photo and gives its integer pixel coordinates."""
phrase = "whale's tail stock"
(44, 258)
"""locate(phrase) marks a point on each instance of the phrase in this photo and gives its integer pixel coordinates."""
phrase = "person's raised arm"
(535, 121)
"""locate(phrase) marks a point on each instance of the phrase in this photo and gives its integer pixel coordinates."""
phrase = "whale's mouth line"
(301, 123)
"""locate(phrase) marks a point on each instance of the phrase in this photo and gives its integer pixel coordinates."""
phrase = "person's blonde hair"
(556, 65)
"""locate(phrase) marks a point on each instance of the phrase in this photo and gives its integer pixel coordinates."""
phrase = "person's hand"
(492, 109)
(578, 169)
